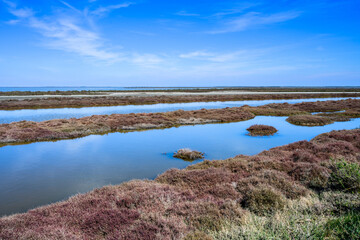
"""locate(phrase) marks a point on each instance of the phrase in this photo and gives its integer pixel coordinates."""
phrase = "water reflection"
(45, 172)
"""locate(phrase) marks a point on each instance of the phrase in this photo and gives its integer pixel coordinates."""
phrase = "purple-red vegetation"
(190, 202)
(261, 130)
(309, 120)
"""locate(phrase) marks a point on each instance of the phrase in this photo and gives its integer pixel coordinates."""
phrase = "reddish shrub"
(311, 175)
(261, 130)
(103, 222)
(308, 120)
(277, 180)
(263, 200)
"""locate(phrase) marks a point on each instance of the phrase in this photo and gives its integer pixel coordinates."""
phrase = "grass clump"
(309, 120)
(345, 176)
(264, 200)
(198, 236)
(188, 154)
(344, 227)
(336, 203)
(261, 130)
(295, 221)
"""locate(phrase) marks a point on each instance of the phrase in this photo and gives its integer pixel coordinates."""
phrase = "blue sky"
(179, 43)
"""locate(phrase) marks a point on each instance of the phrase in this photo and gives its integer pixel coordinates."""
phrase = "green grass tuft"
(345, 176)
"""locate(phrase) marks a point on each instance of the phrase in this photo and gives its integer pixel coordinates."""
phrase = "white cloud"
(104, 10)
(68, 33)
(187, 14)
(64, 34)
(146, 59)
(196, 54)
(213, 57)
(70, 6)
(254, 19)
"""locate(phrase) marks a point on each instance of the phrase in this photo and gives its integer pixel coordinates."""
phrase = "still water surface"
(61, 113)
(45, 172)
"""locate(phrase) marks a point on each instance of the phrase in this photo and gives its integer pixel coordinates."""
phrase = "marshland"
(179, 120)
(102, 151)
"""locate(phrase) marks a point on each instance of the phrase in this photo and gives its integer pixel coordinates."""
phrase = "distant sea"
(34, 89)
(84, 88)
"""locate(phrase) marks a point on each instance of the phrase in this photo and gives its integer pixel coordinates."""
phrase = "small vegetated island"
(188, 154)
(309, 120)
(261, 130)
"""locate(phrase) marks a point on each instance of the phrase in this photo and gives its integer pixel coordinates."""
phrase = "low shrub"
(188, 154)
(277, 180)
(261, 130)
(264, 200)
(311, 175)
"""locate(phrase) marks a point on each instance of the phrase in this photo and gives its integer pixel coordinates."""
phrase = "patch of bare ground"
(28, 131)
(62, 102)
(188, 154)
(196, 202)
(261, 130)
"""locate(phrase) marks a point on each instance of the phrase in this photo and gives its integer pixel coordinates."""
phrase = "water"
(87, 88)
(41, 173)
(84, 88)
(61, 113)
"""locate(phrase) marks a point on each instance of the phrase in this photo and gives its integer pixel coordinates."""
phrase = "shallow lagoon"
(7, 116)
(40, 173)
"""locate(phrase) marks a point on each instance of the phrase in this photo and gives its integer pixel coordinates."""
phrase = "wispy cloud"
(146, 60)
(213, 57)
(196, 54)
(104, 10)
(187, 14)
(254, 19)
(70, 6)
(239, 8)
(65, 34)
(68, 33)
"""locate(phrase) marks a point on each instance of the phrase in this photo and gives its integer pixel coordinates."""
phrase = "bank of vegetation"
(303, 190)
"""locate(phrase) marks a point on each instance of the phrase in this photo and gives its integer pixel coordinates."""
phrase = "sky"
(179, 43)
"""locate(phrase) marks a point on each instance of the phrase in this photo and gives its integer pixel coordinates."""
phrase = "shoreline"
(209, 199)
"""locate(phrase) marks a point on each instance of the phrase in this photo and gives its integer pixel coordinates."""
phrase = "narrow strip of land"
(144, 98)
(186, 90)
(28, 131)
